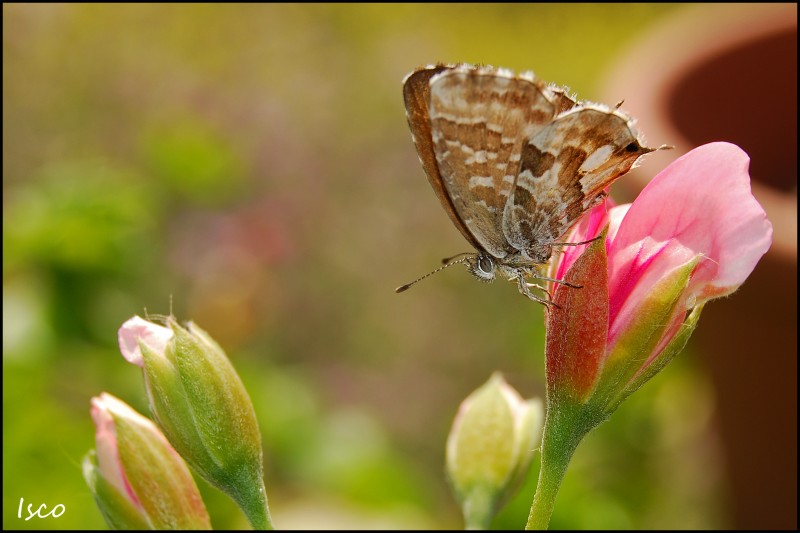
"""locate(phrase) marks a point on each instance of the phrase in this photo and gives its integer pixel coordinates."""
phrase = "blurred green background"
(249, 167)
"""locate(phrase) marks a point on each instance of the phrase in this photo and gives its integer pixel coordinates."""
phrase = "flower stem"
(478, 509)
(253, 502)
(259, 516)
(562, 434)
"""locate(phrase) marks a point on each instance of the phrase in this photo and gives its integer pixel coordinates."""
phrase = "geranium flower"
(694, 233)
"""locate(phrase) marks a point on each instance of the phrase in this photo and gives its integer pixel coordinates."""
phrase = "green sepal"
(159, 478)
(672, 349)
(117, 509)
(577, 327)
(221, 408)
(172, 411)
(655, 314)
(225, 420)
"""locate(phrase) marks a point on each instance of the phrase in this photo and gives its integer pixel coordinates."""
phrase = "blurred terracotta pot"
(728, 72)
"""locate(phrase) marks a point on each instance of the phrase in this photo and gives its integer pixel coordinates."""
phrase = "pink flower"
(694, 233)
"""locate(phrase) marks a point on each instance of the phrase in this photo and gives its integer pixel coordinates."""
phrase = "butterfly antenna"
(405, 287)
(448, 259)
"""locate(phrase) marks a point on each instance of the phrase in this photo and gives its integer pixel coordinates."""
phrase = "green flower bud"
(138, 480)
(490, 447)
(202, 406)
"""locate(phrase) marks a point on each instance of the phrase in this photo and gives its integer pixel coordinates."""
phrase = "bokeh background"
(249, 167)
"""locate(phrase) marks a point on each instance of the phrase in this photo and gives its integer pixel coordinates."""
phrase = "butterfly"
(514, 161)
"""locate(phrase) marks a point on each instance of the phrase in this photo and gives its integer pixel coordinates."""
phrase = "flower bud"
(138, 480)
(490, 447)
(201, 404)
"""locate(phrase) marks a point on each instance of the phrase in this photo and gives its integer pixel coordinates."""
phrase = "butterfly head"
(482, 266)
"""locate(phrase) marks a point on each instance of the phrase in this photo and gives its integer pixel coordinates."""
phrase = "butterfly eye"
(632, 147)
(486, 265)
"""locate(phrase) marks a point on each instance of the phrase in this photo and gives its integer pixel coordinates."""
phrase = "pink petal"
(615, 218)
(106, 444)
(701, 205)
(155, 336)
(588, 227)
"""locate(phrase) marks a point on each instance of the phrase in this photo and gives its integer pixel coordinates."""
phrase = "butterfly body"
(514, 161)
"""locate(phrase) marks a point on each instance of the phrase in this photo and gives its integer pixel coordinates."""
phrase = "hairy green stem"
(253, 502)
(478, 509)
(563, 431)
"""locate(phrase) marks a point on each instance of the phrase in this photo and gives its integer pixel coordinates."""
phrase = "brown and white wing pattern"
(416, 94)
(515, 162)
(480, 118)
(563, 171)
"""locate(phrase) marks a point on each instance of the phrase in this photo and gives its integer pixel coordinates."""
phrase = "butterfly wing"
(416, 93)
(563, 171)
(479, 119)
(561, 99)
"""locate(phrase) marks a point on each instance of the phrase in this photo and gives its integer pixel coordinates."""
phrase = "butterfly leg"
(559, 281)
(577, 243)
(546, 291)
(524, 288)
(541, 288)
